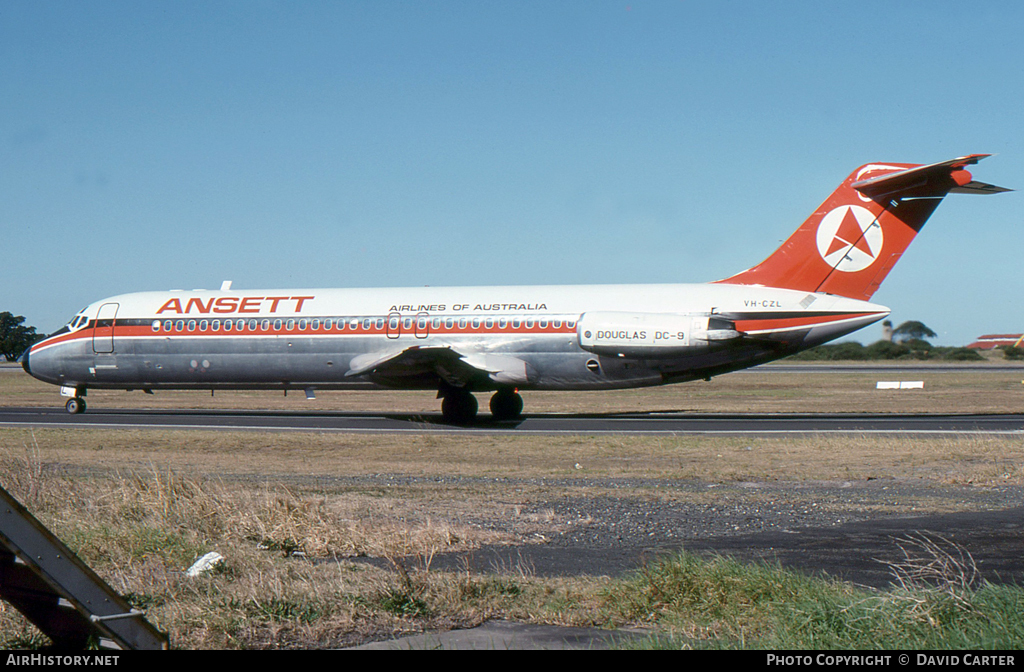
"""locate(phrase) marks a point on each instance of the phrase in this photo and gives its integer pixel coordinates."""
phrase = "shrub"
(887, 350)
(1013, 352)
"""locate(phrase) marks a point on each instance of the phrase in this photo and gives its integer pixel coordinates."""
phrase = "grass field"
(290, 512)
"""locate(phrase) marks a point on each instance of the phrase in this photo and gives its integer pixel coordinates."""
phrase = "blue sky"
(164, 145)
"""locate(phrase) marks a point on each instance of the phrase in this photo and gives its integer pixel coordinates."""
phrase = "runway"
(673, 423)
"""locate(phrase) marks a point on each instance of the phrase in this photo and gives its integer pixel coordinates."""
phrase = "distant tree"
(832, 352)
(1013, 352)
(912, 330)
(886, 350)
(15, 338)
(846, 351)
(961, 355)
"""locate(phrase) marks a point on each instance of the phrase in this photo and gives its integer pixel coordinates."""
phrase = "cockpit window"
(78, 320)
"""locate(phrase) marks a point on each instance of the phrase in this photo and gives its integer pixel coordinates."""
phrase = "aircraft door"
(103, 329)
(422, 328)
(394, 325)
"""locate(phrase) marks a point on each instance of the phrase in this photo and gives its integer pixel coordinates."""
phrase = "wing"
(458, 369)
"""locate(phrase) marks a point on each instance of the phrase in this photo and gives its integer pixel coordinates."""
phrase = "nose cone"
(42, 365)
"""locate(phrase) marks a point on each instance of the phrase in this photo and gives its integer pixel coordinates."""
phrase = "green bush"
(1012, 352)
(850, 350)
(960, 355)
(887, 350)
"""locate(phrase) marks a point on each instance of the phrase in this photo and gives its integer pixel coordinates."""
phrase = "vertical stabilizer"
(849, 245)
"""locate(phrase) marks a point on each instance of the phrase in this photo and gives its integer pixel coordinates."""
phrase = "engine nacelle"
(653, 335)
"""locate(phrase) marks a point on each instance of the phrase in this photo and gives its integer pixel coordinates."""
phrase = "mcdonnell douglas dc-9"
(816, 287)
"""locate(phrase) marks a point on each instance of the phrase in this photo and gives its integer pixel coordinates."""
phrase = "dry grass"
(291, 512)
(326, 460)
(285, 581)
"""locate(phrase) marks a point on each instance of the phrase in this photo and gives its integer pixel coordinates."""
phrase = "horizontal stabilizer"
(974, 187)
(936, 179)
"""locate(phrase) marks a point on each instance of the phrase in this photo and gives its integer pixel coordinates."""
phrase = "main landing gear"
(506, 404)
(459, 406)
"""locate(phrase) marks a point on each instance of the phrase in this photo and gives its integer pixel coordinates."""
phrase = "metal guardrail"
(44, 580)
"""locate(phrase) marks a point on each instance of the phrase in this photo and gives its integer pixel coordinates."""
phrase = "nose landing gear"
(75, 405)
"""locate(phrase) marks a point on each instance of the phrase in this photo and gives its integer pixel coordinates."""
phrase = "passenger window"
(191, 325)
(366, 324)
(380, 323)
(203, 325)
(278, 324)
(227, 325)
(516, 323)
(252, 325)
(215, 325)
(462, 323)
(156, 325)
(315, 325)
(290, 325)
(502, 323)
(265, 325)
(556, 324)
(449, 323)
(179, 325)
(302, 325)
(328, 324)
(167, 325)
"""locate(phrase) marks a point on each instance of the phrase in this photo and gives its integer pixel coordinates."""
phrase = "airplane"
(815, 288)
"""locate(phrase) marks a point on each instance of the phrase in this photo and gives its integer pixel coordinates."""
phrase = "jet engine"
(653, 335)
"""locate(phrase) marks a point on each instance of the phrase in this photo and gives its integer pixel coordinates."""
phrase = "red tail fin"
(853, 240)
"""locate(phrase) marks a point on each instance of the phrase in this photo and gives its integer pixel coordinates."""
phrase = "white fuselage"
(526, 337)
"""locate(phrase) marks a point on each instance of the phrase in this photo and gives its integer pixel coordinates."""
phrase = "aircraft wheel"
(75, 406)
(459, 409)
(506, 405)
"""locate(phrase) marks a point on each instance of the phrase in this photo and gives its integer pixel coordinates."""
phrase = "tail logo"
(849, 239)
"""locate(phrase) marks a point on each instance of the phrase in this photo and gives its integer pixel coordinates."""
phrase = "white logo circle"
(849, 238)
